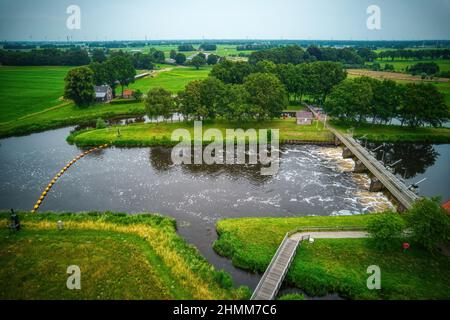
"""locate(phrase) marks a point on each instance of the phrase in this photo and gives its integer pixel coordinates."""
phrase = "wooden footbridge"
(273, 278)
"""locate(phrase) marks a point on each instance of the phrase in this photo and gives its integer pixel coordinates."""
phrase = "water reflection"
(415, 158)
(160, 160)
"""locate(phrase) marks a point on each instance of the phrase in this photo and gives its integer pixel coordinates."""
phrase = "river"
(312, 180)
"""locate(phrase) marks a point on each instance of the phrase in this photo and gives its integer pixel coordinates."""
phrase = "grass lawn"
(137, 135)
(120, 257)
(174, 80)
(65, 115)
(386, 133)
(335, 265)
(26, 90)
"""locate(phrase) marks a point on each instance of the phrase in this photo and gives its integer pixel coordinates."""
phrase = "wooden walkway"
(273, 278)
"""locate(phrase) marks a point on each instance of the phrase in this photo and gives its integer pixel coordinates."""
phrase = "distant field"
(222, 50)
(174, 80)
(26, 90)
(401, 64)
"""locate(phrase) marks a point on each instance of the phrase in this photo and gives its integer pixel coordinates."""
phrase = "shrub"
(223, 279)
(292, 296)
(386, 230)
(429, 223)
(100, 124)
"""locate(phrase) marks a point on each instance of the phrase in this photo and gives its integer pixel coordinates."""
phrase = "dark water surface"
(312, 181)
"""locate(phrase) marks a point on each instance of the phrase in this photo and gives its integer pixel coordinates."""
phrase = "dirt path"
(392, 76)
(331, 235)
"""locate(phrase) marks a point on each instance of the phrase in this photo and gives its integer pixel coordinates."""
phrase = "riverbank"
(152, 134)
(67, 114)
(120, 257)
(393, 133)
(334, 265)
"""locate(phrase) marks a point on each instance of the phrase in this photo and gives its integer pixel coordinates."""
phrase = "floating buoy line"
(60, 173)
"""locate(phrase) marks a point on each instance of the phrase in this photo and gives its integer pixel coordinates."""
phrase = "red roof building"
(446, 206)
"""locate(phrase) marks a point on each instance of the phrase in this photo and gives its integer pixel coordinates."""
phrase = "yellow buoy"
(36, 207)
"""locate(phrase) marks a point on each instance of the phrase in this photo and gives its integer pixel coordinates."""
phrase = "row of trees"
(381, 101)
(261, 96)
(314, 79)
(297, 55)
(75, 57)
(415, 54)
(45, 57)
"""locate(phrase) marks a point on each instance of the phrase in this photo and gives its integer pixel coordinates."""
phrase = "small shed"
(128, 93)
(304, 118)
(103, 93)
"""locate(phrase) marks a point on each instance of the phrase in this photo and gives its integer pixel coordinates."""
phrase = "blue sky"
(225, 19)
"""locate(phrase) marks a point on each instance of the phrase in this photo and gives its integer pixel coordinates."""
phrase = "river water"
(312, 180)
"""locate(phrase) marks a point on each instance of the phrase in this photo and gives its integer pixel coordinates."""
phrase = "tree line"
(366, 99)
(297, 55)
(261, 96)
(415, 54)
(45, 57)
(315, 79)
(75, 57)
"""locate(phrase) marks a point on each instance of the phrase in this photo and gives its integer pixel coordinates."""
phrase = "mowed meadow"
(26, 90)
(170, 78)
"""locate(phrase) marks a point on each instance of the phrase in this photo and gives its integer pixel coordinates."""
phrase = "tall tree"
(159, 103)
(98, 55)
(124, 69)
(180, 58)
(79, 86)
(198, 61)
(267, 94)
(423, 103)
(350, 100)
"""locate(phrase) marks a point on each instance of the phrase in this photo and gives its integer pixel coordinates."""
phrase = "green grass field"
(400, 65)
(174, 80)
(26, 90)
(335, 265)
(386, 133)
(120, 257)
(137, 135)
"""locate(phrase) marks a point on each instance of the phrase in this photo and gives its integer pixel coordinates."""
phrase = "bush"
(100, 124)
(429, 223)
(223, 279)
(386, 230)
(292, 296)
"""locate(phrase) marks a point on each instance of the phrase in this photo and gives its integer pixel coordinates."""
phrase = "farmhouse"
(304, 118)
(103, 93)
